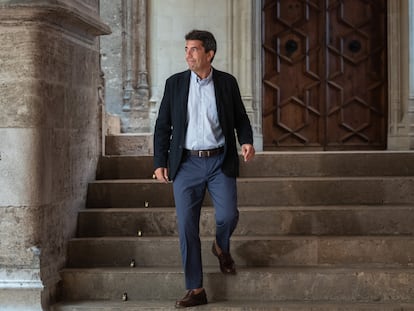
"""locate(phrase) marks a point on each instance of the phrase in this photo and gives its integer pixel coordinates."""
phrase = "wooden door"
(324, 74)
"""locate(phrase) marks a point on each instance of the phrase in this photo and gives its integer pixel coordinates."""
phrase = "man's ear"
(210, 55)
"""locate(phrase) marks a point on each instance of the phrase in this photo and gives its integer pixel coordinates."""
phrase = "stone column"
(242, 56)
(411, 69)
(49, 139)
(398, 76)
(257, 72)
(128, 57)
(136, 102)
(124, 61)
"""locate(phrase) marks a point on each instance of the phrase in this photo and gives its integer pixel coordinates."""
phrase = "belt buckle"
(200, 153)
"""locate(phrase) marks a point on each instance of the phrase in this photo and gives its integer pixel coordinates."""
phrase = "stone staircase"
(321, 231)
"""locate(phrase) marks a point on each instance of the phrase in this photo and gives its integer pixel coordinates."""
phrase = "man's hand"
(161, 174)
(248, 152)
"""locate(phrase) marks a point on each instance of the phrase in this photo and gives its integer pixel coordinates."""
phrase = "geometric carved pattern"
(356, 53)
(324, 76)
(292, 76)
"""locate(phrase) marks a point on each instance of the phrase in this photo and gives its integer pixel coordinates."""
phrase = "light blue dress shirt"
(203, 131)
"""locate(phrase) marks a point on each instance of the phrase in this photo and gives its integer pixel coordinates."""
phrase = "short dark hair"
(206, 37)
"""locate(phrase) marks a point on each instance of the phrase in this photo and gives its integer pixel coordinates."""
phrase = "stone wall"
(49, 139)
(170, 21)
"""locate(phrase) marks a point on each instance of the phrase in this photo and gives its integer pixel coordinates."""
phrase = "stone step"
(133, 144)
(284, 284)
(384, 251)
(230, 306)
(256, 220)
(317, 231)
(277, 164)
(264, 191)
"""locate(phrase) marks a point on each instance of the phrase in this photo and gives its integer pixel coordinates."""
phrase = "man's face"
(197, 58)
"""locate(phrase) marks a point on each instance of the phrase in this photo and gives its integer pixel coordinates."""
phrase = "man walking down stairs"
(317, 231)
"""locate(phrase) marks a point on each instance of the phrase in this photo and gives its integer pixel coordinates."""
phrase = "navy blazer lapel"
(217, 89)
(220, 100)
(185, 88)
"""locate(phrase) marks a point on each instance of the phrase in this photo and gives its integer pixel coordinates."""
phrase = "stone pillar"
(243, 55)
(49, 139)
(257, 73)
(411, 69)
(398, 76)
(136, 103)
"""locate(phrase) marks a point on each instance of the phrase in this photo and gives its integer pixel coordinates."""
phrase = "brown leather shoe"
(191, 299)
(227, 265)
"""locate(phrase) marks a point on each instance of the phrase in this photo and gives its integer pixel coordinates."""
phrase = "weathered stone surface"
(260, 284)
(276, 164)
(253, 251)
(289, 191)
(129, 144)
(22, 299)
(257, 221)
(232, 306)
(22, 247)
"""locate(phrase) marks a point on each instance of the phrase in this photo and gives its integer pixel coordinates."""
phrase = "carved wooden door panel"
(324, 74)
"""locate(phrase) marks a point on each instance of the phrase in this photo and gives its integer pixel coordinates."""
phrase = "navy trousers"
(195, 176)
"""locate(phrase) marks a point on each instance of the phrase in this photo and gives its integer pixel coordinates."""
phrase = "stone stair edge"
(146, 181)
(213, 269)
(210, 208)
(269, 251)
(245, 238)
(241, 305)
(269, 191)
(280, 164)
(280, 283)
(300, 153)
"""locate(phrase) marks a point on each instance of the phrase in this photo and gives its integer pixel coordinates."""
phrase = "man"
(195, 147)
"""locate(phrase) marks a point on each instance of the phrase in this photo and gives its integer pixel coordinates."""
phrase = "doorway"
(324, 74)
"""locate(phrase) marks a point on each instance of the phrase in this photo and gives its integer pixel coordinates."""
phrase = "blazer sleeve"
(241, 119)
(163, 129)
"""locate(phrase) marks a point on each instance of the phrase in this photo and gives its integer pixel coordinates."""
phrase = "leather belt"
(205, 153)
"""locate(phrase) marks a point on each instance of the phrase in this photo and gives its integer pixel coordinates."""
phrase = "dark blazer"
(171, 124)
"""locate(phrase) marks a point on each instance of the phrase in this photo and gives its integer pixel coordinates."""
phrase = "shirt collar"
(202, 81)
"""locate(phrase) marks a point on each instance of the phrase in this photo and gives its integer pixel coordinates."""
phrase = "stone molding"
(59, 13)
(20, 279)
